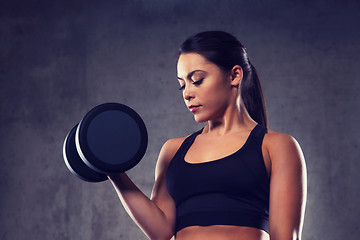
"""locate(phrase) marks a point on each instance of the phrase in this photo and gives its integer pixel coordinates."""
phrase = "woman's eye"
(198, 82)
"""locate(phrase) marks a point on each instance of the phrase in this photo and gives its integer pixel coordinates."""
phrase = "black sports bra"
(233, 190)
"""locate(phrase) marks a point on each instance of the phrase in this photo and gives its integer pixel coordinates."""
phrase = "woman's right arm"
(154, 216)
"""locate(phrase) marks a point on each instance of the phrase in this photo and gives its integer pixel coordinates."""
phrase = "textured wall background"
(58, 59)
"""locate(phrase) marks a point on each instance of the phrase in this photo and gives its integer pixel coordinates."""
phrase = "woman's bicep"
(160, 195)
(287, 188)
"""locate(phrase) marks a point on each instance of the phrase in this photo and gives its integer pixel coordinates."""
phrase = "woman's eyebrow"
(190, 74)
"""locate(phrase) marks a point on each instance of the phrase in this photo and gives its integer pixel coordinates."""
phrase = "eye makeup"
(196, 83)
(196, 77)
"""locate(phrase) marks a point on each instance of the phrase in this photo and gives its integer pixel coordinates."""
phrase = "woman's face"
(206, 88)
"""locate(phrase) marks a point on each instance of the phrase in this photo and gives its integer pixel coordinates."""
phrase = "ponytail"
(253, 98)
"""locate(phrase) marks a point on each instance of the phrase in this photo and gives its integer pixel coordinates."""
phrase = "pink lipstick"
(193, 108)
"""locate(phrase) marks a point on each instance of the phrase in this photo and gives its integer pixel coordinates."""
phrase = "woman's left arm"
(288, 187)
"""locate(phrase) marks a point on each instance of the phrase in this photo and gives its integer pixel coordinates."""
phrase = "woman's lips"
(193, 108)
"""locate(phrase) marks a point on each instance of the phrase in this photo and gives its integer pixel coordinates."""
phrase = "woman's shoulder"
(169, 148)
(273, 138)
(173, 144)
(167, 152)
(280, 145)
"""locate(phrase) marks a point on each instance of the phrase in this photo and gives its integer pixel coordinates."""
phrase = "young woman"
(233, 179)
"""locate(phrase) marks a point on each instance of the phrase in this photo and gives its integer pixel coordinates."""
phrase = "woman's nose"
(187, 93)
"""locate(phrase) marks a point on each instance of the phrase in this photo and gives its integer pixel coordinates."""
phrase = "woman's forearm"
(145, 213)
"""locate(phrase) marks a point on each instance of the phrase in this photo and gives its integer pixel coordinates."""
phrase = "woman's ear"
(236, 75)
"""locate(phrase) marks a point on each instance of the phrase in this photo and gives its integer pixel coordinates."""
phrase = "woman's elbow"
(285, 235)
(164, 234)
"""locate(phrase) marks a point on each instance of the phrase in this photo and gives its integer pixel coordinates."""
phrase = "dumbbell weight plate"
(75, 164)
(111, 138)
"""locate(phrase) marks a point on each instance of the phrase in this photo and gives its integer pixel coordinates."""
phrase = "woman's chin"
(200, 119)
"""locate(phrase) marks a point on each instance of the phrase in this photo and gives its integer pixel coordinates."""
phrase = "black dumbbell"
(111, 138)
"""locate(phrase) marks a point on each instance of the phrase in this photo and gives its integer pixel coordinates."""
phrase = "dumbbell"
(111, 138)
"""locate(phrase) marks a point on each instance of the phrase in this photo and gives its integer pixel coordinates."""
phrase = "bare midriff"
(222, 232)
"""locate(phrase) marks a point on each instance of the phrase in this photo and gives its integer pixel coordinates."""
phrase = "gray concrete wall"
(58, 59)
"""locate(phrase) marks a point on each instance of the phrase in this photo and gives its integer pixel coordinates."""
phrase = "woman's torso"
(206, 149)
(222, 232)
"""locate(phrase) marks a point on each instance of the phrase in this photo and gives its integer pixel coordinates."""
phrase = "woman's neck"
(234, 119)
